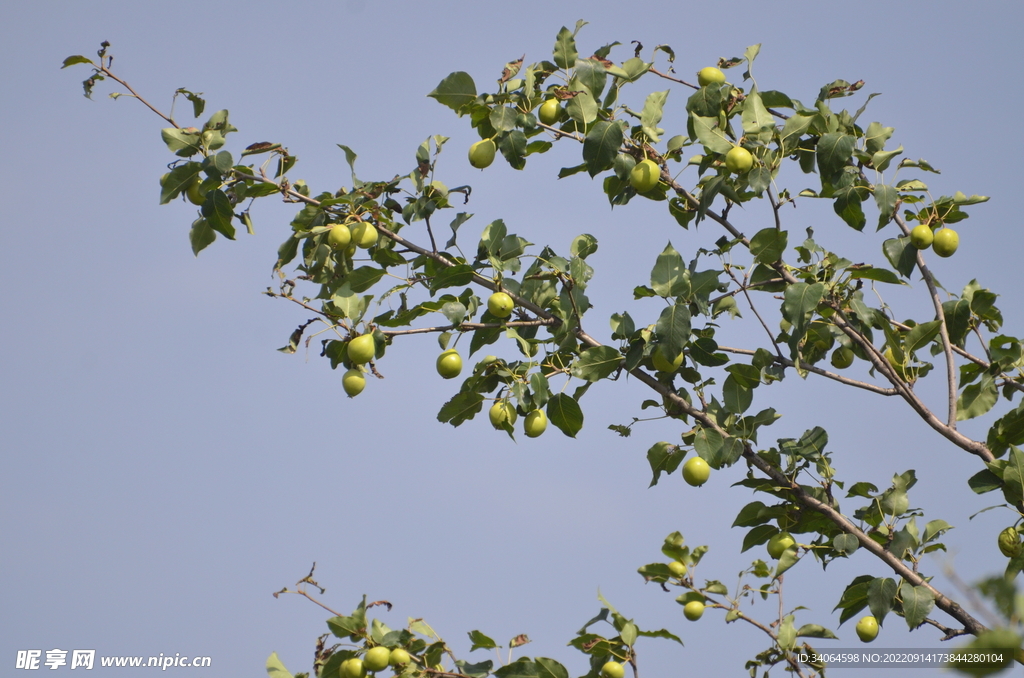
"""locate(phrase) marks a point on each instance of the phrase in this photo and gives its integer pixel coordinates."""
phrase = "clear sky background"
(165, 469)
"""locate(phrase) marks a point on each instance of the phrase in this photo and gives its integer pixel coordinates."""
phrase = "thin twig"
(135, 94)
(467, 327)
(874, 388)
(951, 383)
(750, 302)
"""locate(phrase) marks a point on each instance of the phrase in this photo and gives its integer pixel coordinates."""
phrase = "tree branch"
(951, 383)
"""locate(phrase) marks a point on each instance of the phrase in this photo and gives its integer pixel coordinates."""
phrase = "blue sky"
(165, 469)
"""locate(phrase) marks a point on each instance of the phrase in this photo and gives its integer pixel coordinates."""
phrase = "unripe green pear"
(536, 423)
(501, 413)
(377, 658)
(645, 175)
(353, 381)
(361, 349)
(481, 154)
(364, 235)
(709, 75)
(449, 364)
(550, 111)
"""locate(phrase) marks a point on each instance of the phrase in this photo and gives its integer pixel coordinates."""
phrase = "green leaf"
(651, 114)
(668, 278)
(737, 396)
(881, 597)
(201, 235)
(661, 633)
(935, 528)
(564, 53)
(706, 102)
(787, 633)
(799, 302)
(549, 668)
(875, 137)
(503, 118)
(768, 245)
(1013, 474)
(758, 535)
(788, 559)
(275, 668)
(754, 513)
(217, 210)
(793, 130)
(628, 634)
(454, 276)
(958, 318)
(286, 252)
(582, 107)
(520, 668)
(539, 388)
(592, 73)
(364, 277)
(984, 481)
(673, 330)
(481, 642)
(456, 91)
(344, 627)
(78, 59)
(453, 310)
(814, 631)
(634, 68)
(463, 407)
(977, 399)
(847, 206)
(178, 180)
(182, 142)
(596, 363)
(513, 149)
(921, 335)
(717, 449)
(854, 598)
(350, 158)
(901, 254)
(710, 135)
(918, 601)
(664, 458)
(1006, 431)
(565, 413)
(350, 304)
(881, 159)
(845, 543)
(757, 121)
(601, 146)
(834, 150)
(478, 670)
(885, 198)
(872, 273)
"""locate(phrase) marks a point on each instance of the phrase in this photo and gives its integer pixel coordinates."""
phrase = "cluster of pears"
(360, 234)
(376, 659)
(481, 154)
(449, 363)
(944, 241)
(738, 160)
(504, 412)
(693, 609)
(360, 350)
